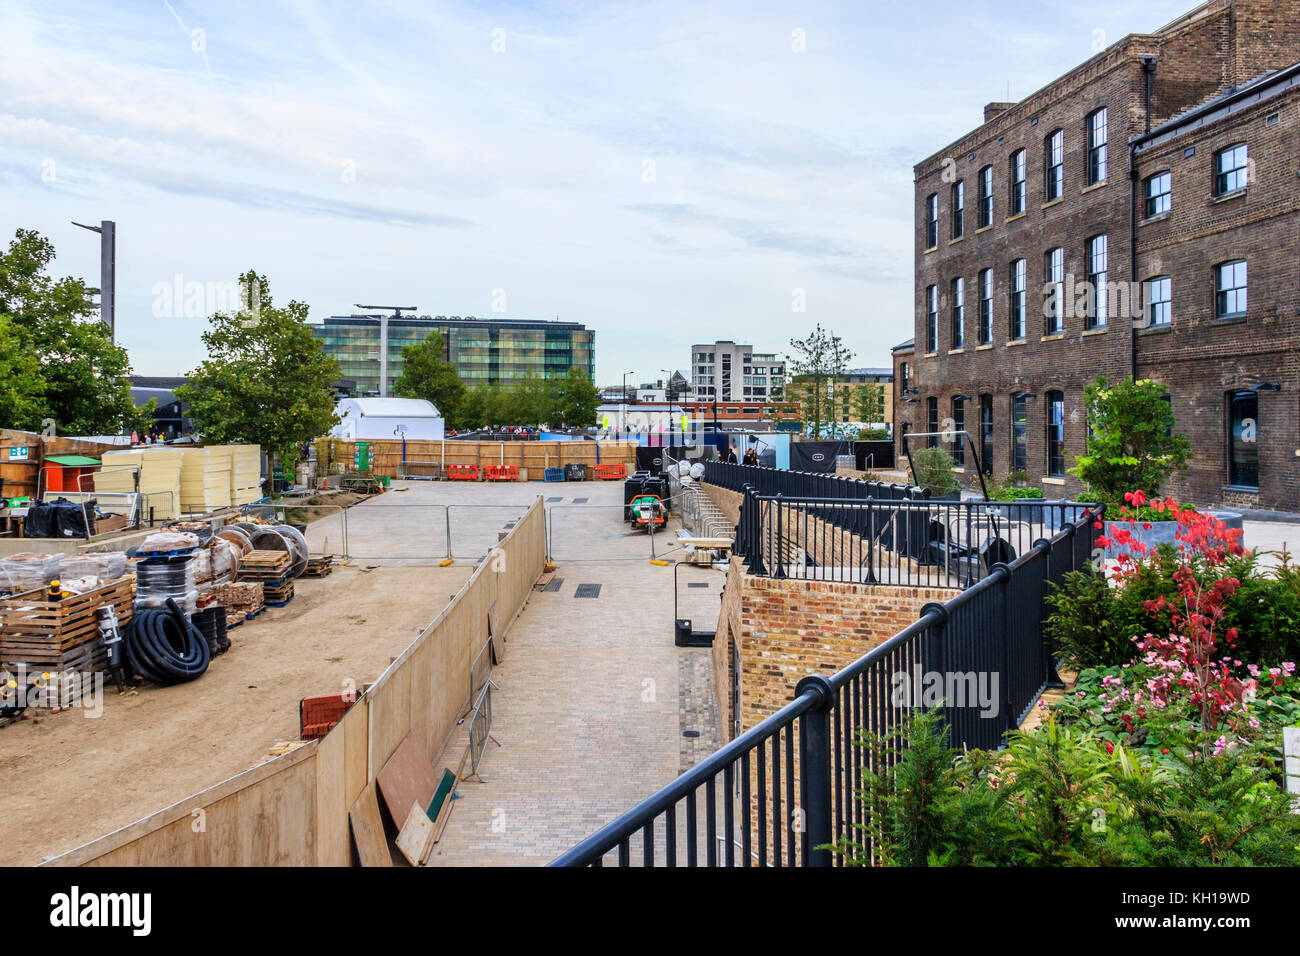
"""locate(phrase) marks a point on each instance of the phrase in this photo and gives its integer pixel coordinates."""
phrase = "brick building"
(1218, 249)
(1029, 283)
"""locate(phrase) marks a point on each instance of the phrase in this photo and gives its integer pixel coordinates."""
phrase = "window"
(1017, 300)
(1097, 137)
(1243, 439)
(1054, 162)
(1230, 289)
(986, 433)
(932, 421)
(959, 426)
(1056, 434)
(932, 319)
(1054, 289)
(986, 307)
(1017, 182)
(932, 221)
(958, 313)
(903, 371)
(958, 209)
(1019, 453)
(1097, 267)
(986, 196)
(1230, 169)
(1159, 293)
(1158, 190)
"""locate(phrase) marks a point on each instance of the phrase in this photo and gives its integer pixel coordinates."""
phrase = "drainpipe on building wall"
(1148, 70)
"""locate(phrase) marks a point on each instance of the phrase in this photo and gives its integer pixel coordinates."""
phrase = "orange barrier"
(462, 472)
(611, 472)
(502, 472)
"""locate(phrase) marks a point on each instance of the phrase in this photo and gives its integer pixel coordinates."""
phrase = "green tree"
(81, 383)
(816, 365)
(22, 388)
(427, 375)
(266, 379)
(576, 399)
(869, 403)
(1131, 439)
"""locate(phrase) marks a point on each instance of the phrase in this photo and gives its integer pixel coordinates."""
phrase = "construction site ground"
(73, 778)
(587, 663)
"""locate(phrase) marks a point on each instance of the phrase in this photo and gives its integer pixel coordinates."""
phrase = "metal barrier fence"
(786, 787)
(803, 484)
(381, 530)
(923, 543)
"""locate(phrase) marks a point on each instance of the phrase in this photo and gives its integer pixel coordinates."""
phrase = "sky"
(666, 173)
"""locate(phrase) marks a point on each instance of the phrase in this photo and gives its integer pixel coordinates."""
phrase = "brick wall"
(1200, 357)
(773, 633)
(1215, 46)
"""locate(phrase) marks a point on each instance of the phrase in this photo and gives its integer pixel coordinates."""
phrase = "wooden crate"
(34, 630)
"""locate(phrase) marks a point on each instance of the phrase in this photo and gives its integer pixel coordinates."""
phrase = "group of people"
(750, 457)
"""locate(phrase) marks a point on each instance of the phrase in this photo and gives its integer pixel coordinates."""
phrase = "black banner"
(816, 455)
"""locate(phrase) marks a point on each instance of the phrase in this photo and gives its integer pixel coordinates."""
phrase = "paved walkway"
(593, 700)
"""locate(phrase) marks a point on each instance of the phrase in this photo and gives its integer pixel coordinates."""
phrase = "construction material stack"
(45, 631)
(206, 481)
(274, 569)
(245, 473)
(159, 471)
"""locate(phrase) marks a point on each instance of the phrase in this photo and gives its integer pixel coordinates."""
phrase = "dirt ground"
(69, 778)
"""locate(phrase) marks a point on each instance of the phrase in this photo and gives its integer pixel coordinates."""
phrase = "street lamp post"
(107, 230)
(622, 408)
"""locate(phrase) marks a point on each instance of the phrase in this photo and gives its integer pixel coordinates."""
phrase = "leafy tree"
(576, 399)
(816, 366)
(869, 403)
(266, 379)
(427, 375)
(1131, 444)
(22, 387)
(81, 381)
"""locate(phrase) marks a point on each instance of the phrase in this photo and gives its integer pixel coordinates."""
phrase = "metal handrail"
(824, 765)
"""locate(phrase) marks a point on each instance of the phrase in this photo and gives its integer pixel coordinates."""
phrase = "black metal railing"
(922, 543)
(804, 484)
(780, 793)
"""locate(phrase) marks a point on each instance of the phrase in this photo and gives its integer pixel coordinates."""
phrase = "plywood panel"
(290, 811)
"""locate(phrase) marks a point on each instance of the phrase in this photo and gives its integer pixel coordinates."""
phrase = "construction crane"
(382, 319)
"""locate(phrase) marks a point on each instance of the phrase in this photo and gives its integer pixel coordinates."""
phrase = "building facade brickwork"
(1029, 284)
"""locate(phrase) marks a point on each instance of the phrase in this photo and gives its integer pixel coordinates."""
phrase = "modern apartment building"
(850, 385)
(1049, 238)
(495, 351)
(728, 372)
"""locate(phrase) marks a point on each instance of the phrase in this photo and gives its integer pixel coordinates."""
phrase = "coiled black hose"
(164, 647)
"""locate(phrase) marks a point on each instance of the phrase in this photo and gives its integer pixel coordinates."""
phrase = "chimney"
(996, 109)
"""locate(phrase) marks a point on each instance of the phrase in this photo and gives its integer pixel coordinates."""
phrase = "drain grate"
(690, 733)
(555, 584)
(697, 584)
(553, 500)
(587, 591)
(580, 501)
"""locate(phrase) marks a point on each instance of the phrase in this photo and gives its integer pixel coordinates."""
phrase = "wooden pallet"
(34, 630)
(318, 567)
(279, 594)
(264, 565)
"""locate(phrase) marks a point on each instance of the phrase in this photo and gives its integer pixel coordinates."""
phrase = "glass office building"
(496, 351)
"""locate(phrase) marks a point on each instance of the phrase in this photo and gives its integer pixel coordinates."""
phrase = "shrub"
(1062, 796)
(1131, 442)
(1093, 623)
(932, 469)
